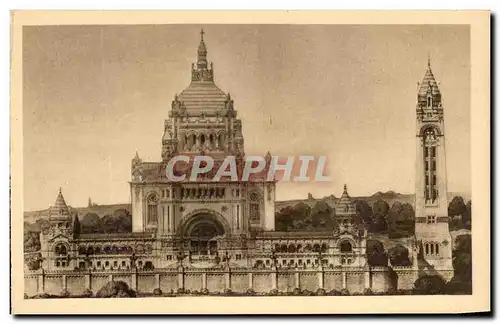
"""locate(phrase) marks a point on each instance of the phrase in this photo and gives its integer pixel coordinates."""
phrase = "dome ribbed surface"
(203, 95)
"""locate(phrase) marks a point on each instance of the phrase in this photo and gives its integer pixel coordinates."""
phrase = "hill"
(100, 210)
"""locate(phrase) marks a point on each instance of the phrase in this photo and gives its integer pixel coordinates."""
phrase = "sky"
(94, 95)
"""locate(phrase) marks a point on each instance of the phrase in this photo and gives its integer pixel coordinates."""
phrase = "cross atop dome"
(202, 33)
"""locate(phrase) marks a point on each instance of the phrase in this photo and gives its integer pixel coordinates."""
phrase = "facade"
(194, 229)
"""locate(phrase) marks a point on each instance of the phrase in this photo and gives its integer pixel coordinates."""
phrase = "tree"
(284, 219)
(399, 256)
(456, 207)
(321, 216)
(77, 227)
(462, 256)
(294, 218)
(429, 285)
(461, 283)
(91, 223)
(380, 212)
(401, 220)
(376, 254)
(33, 261)
(466, 217)
(31, 241)
(364, 211)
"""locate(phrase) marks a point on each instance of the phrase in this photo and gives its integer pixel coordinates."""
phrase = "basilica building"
(209, 226)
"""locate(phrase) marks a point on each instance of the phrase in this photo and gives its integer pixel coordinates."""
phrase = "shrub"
(273, 292)
(157, 292)
(65, 293)
(87, 293)
(296, 292)
(344, 292)
(26, 296)
(306, 292)
(320, 292)
(429, 285)
(250, 292)
(228, 291)
(368, 292)
(204, 291)
(334, 292)
(115, 289)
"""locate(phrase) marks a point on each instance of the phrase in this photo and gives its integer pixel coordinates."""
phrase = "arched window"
(426, 248)
(254, 207)
(202, 139)
(212, 141)
(284, 248)
(437, 249)
(152, 210)
(430, 143)
(97, 250)
(222, 141)
(61, 252)
(316, 248)
(345, 247)
(323, 248)
(432, 248)
(60, 249)
(291, 248)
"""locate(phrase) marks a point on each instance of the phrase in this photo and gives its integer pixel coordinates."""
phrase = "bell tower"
(431, 205)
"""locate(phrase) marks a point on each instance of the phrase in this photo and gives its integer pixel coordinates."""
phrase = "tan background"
(480, 121)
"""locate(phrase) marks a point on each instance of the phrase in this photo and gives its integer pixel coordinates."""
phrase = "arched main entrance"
(201, 229)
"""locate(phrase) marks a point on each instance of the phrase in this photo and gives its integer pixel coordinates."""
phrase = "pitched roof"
(428, 84)
(60, 208)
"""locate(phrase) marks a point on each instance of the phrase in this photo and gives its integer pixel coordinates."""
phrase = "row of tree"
(396, 221)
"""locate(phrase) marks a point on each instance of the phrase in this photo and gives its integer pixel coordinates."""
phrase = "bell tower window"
(430, 158)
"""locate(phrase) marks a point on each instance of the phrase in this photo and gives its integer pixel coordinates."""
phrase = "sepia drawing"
(222, 172)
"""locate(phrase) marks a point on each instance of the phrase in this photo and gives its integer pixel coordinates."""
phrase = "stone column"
(344, 280)
(368, 284)
(133, 280)
(274, 278)
(204, 280)
(228, 280)
(297, 279)
(250, 280)
(110, 277)
(64, 282)
(320, 278)
(88, 281)
(41, 282)
(180, 278)
(157, 280)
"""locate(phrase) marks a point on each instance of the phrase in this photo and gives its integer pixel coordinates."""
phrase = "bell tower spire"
(201, 72)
